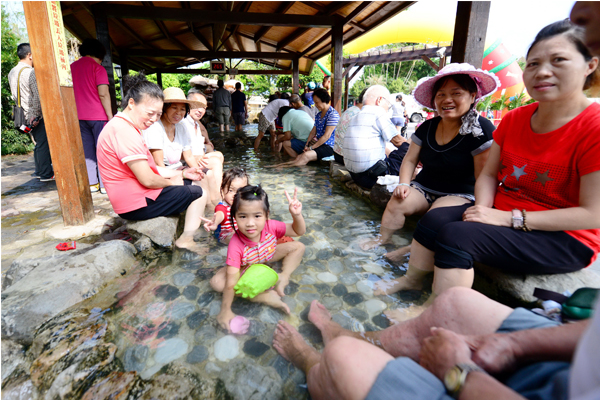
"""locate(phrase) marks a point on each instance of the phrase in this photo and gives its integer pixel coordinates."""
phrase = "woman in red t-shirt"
(537, 207)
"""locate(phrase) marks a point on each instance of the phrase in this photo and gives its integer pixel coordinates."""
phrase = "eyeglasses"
(387, 101)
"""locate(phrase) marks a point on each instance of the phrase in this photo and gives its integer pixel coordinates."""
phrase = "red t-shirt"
(87, 76)
(119, 143)
(242, 252)
(542, 171)
(226, 227)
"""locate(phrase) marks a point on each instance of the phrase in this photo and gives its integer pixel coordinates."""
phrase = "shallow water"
(168, 311)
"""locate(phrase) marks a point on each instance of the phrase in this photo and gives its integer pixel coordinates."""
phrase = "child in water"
(221, 223)
(255, 242)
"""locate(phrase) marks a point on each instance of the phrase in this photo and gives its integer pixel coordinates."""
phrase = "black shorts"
(367, 179)
(172, 200)
(457, 244)
(338, 158)
(323, 151)
(394, 160)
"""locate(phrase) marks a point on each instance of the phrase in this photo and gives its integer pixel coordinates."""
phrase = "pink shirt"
(119, 143)
(242, 252)
(87, 76)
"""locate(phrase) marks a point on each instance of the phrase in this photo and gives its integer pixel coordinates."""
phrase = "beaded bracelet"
(525, 227)
(404, 184)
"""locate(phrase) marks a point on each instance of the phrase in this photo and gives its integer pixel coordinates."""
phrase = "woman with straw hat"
(452, 148)
(169, 141)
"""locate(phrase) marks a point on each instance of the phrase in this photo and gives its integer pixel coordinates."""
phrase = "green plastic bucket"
(256, 279)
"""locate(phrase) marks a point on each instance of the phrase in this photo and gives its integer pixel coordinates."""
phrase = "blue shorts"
(398, 121)
(406, 379)
(297, 145)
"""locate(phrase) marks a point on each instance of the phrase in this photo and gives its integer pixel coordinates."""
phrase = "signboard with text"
(59, 44)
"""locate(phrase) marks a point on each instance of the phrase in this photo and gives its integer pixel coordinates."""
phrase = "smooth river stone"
(374, 269)
(171, 350)
(349, 278)
(191, 292)
(335, 266)
(308, 297)
(340, 290)
(353, 298)
(327, 277)
(332, 303)
(226, 348)
(206, 298)
(182, 310)
(215, 308)
(307, 280)
(166, 292)
(197, 355)
(183, 278)
(375, 306)
(205, 334)
(365, 288)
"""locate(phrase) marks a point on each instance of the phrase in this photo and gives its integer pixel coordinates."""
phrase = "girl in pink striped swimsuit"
(255, 242)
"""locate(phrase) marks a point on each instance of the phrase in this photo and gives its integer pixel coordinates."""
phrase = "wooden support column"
(296, 76)
(159, 79)
(124, 59)
(103, 36)
(337, 39)
(346, 89)
(469, 32)
(60, 116)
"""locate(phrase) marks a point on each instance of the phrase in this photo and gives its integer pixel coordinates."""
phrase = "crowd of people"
(520, 198)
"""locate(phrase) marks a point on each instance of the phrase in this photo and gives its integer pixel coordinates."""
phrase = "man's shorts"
(403, 378)
(239, 118)
(323, 151)
(263, 124)
(223, 114)
(398, 121)
(297, 145)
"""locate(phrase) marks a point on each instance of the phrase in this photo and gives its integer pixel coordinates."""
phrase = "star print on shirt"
(518, 172)
(507, 189)
(543, 178)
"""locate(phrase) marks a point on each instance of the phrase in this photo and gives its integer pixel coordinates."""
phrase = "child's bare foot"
(402, 314)
(281, 285)
(291, 345)
(398, 255)
(395, 285)
(272, 298)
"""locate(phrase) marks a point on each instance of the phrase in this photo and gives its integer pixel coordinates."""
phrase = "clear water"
(168, 311)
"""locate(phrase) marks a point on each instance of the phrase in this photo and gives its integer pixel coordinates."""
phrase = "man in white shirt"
(266, 119)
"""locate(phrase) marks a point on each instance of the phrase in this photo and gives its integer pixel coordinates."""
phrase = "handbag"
(18, 111)
(580, 305)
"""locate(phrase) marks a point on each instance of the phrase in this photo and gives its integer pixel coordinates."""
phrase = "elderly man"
(296, 102)
(366, 138)
(222, 105)
(202, 148)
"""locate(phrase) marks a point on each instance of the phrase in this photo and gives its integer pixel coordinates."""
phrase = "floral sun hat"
(487, 83)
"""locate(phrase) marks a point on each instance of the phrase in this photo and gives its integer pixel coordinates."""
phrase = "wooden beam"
(346, 90)
(431, 63)
(209, 54)
(357, 26)
(296, 76)
(78, 30)
(336, 60)
(203, 40)
(60, 118)
(355, 13)
(159, 79)
(121, 24)
(347, 69)
(240, 72)
(239, 42)
(193, 15)
(355, 72)
(395, 56)
(336, 6)
(469, 32)
(315, 5)
(282, 9)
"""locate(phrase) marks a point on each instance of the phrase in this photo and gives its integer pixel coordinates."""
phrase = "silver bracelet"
(404, 184)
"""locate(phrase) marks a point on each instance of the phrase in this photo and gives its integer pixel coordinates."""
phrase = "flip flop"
(66, 246)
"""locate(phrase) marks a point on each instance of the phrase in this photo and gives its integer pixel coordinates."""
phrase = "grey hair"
(376, 91)
(295, 99)
(192, 91)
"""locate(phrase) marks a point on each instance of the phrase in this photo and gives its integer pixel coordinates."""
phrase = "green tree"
(13, 141)
(484, 104)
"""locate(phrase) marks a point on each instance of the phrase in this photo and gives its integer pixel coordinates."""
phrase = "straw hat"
(176, 95)
(487, 83)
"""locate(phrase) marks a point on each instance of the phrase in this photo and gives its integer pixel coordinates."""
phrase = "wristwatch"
(517, 219)
(455, 378)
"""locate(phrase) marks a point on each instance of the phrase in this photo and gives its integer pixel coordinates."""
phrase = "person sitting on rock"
(466, 346)
(366, 138)
(343, 125)
(536, 205)
(297, 125)
(137, 188)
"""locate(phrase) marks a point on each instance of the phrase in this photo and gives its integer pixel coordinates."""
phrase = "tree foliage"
(13, 141)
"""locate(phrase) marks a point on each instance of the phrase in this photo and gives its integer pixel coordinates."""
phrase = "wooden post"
(159, 79)
(103, 36)
(469, 32)
(296, 76)
(60, 116)
(346, 89)
(337, 39)
(124, 60)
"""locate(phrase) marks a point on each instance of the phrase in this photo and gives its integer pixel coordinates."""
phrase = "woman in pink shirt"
(90, 84)
(137, 188)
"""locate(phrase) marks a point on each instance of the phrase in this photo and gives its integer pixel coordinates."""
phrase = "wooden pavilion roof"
(159, 36)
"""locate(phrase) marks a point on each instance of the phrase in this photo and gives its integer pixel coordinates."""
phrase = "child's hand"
(295, 205)
(224, 318)
(209, 225)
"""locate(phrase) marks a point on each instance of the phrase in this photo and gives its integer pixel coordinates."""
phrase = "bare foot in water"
(272, 298)
(186, 241)
(398, 255)
(281, 285)
(320, 317)
(402, 314)
(395, 285)
(291, 345)
(371, 244)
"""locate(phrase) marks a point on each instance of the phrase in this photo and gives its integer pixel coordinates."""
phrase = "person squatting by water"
(256, 241)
